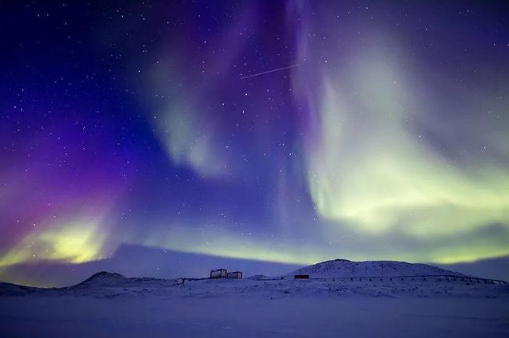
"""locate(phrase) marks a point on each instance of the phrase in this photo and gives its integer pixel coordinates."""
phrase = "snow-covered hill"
(103, 278)
(344, 268)
(8, 289)
(103, 281)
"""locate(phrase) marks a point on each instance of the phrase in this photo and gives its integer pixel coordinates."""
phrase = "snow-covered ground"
(111, 305)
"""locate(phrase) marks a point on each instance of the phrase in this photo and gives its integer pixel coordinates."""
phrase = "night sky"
(278, 131)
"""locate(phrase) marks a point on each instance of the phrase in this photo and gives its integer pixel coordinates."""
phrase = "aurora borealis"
(124, 122)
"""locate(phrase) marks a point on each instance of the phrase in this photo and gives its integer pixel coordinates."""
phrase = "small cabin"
(234, 275)
(218, 273)
(301, 277)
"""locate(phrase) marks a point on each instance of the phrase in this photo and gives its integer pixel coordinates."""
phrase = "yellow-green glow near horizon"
(225, 244)
(73, 242)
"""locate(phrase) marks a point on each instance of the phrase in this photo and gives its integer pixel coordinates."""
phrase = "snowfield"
(380, 305)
